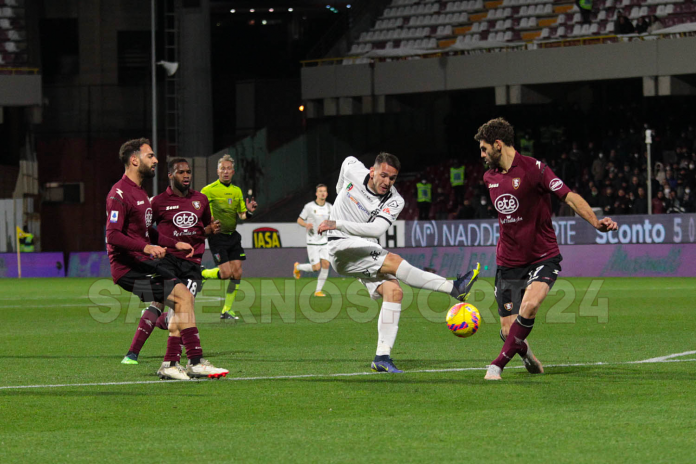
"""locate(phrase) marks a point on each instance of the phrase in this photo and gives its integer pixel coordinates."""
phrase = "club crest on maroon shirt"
(516, 182)
(196, 204)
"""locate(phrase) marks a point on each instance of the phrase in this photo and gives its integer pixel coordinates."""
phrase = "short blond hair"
(226, 158)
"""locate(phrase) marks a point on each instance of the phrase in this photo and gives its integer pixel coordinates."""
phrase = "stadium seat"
(609, 29)
(594, 28)
(560, 32)
(635, 13)
(524, 23)
(532, 22)
(585, 30)
(476, 27)
(523, 11)
(432, 43)
(561, 19)
(484, 26)
(577, 18)
(548, 9)
(545, 32)
(609, 4)
(467, 39)
(508, 36)
(508, 24)
(669, 9)
(602, 16)
(625, 3)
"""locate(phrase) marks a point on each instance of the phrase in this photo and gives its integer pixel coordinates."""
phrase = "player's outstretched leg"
(387, 327)
(142, 333)
(405, 272)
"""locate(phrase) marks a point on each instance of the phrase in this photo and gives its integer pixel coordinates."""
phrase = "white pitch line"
(347, 374)
(664, 358)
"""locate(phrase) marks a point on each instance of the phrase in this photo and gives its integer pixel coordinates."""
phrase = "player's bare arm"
(307, 225)
(580, 206)
(326, 225)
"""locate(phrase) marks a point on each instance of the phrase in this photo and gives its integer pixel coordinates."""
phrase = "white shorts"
(360, 258)
(317, 253)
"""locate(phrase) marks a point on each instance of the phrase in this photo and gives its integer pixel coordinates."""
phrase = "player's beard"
(146, 172)
(181, 187)
(493, 160)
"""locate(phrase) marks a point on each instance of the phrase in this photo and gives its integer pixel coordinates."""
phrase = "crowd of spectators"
(643, 25)
(611, 175)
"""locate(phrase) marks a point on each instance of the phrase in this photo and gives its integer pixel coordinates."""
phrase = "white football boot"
(205, 369)
(531, 363)
(172, 371)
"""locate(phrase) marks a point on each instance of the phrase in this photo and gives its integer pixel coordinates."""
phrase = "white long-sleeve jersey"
(358, 212)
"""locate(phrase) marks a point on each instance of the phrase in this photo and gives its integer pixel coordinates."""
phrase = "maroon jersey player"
(527, 255)
(140, 267)
(184, 214)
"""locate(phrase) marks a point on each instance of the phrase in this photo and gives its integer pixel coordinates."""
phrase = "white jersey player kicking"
(313, 214)
(366, 205)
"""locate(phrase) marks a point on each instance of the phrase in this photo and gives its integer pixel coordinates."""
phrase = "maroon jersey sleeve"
(553, 184)
(117, 210)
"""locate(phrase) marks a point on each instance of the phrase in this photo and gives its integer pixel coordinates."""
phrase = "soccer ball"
(463, 320)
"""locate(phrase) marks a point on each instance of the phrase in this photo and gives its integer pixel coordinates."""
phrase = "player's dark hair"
(496, 129)
(131, 147)
(320, 186)
(388, 158)
(173, 162)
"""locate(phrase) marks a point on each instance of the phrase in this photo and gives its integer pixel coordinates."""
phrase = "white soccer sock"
(387, 327)
(305, 267)
(323, 274)
(421, 279)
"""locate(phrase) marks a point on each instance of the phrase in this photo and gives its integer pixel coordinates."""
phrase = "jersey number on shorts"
(192, 285)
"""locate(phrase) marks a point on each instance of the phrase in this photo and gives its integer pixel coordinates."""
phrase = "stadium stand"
(412, 27)
(611, 181)
(13, 43)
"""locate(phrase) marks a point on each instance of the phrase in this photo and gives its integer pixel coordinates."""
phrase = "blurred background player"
(366, 205)
(227, 204)
(313, 214)
(137, 265)
(527, 254)
(182, 213)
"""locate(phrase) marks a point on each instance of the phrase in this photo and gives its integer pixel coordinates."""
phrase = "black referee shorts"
(511, 282)
(226, 247)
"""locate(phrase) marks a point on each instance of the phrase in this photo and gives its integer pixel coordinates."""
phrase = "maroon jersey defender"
(184, 219)
(522, 197)
(528, 257)
(129, 232)
(129, 218)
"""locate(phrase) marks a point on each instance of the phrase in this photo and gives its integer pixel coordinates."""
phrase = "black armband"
(249, 215)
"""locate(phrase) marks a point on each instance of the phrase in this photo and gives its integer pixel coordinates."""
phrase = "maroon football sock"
(162, 322)
(145, 326)
(173, 353)
(514, 343)
(192, 342)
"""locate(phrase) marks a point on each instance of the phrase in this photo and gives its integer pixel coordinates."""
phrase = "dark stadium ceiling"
(244, 6)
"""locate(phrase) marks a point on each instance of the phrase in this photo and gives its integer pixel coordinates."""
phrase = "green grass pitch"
(282, 401)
